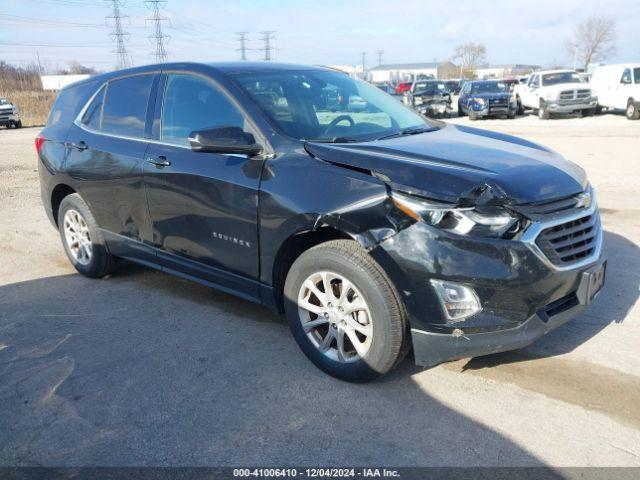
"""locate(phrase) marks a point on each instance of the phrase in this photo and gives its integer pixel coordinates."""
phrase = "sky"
(328, 32)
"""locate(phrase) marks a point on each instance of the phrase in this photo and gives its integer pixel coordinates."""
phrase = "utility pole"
(118, 35)
(242, 38)
(267, 37)
(364, 58)
(158, 37)
(380, 52)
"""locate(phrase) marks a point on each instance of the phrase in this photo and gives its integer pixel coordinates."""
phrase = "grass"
(34, 105)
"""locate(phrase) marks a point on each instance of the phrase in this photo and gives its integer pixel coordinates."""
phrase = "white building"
(502, 71)
(351, 70)
(406, 71)
(56, 82)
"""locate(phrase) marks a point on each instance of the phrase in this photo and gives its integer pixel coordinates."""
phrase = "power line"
(118, 35)
(267, 37)
(158, 37)
(242, 38)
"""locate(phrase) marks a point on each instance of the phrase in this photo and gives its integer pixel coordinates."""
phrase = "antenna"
(118, 35)
(158, 37)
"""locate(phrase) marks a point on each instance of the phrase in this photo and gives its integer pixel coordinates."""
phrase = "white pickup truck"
(555, 91)
(618, 87)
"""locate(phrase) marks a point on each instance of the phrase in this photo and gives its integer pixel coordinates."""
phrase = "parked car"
(403, 87)
(430, 98)
(555, 91)
(372, 233)
(9, 114)
(618, 87)
(484, 98)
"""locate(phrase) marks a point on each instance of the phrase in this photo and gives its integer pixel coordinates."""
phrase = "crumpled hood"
(462, 164)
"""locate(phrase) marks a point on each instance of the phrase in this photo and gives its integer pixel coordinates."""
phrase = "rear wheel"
(344, 312)
(81, 238)
(633, 113)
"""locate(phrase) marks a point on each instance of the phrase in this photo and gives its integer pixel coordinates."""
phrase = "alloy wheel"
(76, 234)
(335, 316)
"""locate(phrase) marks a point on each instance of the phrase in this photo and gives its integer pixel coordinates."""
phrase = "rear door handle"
(159, 162)
(81, 145)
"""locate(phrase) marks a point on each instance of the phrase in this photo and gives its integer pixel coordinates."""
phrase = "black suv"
(374, 230)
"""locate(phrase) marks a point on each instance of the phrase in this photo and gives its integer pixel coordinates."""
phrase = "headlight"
(417, 100)
(463, 221)
(479, 101)
(512, 99)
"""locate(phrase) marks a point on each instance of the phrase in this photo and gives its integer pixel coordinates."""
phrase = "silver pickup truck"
(9, 114)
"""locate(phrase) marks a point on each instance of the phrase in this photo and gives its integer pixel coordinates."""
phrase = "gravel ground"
(146, 369)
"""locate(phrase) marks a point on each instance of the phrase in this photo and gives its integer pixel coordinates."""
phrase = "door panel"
(106, 168)
(203, 206)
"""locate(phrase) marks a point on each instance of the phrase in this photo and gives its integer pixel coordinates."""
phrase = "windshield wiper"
(407, 131)
(331, 140)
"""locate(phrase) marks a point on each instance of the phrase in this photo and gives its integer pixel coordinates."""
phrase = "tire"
(460, 111)
(98, 262)
(511, 116)
(520, 109)
(633, 113)
(543, 113)
(599, 110)
(383, 338)
(18, 124)
(589, 112)
(472, 116)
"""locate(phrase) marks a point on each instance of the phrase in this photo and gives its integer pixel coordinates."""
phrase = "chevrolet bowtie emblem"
(583, 200)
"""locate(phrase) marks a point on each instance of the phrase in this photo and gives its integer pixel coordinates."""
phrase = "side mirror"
(224, 140)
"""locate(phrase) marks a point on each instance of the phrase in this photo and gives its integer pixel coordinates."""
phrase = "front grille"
(572, 241)
(548, 206)
(498, 101)
(568, 97)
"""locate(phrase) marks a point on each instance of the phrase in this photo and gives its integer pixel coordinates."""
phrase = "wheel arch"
(58, 194)
(294, 246)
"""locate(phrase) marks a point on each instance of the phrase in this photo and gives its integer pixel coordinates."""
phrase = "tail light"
(39, 142)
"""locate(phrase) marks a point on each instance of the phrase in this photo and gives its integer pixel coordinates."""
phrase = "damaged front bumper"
(522, 296)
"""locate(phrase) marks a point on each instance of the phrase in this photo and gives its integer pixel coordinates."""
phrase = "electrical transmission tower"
(158, 37)
(118, 35)
(364, 58)
(267, 37)
(242, 38)
(379, 53)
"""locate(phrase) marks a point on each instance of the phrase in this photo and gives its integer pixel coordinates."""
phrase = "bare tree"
(593, 40)
(471, 56)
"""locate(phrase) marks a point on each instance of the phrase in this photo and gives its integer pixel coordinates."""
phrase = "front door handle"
(159, 162)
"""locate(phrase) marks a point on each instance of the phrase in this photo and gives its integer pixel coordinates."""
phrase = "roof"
(248, 67)
(408, 66)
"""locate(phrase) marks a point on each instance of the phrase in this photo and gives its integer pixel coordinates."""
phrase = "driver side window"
(534, 82)
(626, 77)
(194, 103)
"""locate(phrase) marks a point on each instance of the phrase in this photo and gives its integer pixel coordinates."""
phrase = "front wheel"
(18, 124)
(589, 112)
(82, 239)
(543, 112)
(344, 312)
(633, 113)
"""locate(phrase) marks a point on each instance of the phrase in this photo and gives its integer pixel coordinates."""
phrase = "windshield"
(325, 105)
(560, 77)
(489, 87)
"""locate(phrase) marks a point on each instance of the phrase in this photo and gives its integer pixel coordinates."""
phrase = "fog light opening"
(458, 301)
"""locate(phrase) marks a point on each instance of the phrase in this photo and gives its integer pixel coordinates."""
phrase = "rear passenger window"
(193, 103)
(92, 115)
(125, 106)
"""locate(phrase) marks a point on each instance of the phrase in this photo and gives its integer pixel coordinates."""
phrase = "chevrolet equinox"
(373, 229)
